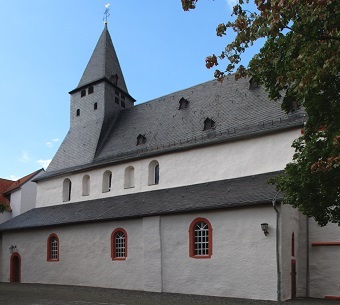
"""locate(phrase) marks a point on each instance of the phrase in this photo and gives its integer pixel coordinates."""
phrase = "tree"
(3, 208)
(298, 65)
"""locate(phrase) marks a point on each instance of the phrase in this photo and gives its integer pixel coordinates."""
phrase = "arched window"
(119, 244)
(129, 180)
(153, 172)
(86, 185)
(53, 248)
(78, 112)
(107, 181)
(200, 238)
(67, 185)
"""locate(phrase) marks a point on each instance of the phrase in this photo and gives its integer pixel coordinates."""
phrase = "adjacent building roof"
(4, 185)
(239, 192)
(9, 186)
(20, 182)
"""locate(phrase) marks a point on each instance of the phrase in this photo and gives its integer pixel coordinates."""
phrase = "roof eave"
(140, 154)
(103, 79)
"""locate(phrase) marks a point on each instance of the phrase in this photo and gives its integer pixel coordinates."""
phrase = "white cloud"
(44, 163)
(24, 157)
(51, 142)
(13, 177)
(231, 4)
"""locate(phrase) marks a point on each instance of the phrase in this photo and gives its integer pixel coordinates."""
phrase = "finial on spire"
(106, 13)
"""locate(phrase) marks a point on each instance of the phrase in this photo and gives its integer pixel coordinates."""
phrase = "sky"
(45, 47)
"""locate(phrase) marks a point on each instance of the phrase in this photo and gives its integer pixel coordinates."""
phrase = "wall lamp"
(12, 249)
(264, 227)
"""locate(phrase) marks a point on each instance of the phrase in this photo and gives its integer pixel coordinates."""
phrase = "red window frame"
(113, 244)
(49, 248)
(192, 238)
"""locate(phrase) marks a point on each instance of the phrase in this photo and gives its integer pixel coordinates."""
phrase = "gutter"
(182, 145)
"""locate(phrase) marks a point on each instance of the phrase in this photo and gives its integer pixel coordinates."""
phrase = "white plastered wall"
(324, 261)
(225, 161)
(85, 256)
(243, 262)
(6, 215)
(16, 197)
(29, 196)
(292, 221)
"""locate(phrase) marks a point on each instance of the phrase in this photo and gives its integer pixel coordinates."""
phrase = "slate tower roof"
(103, 63)
(95, 106)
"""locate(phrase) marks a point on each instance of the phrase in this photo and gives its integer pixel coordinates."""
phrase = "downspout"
(307, 242)
(277, 251)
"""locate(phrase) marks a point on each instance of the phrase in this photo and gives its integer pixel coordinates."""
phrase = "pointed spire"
(103, 63)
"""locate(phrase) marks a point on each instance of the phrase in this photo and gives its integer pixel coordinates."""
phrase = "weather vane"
(106, 13)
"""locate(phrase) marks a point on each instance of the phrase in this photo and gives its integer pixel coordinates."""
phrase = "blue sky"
(45, 46)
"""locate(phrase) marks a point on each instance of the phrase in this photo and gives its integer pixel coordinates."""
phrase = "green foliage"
(298, 65)
(2, 208)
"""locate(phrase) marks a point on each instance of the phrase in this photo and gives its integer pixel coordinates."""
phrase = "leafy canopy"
(298, 65)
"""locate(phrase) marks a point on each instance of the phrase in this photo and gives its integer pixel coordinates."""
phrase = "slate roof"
(237, 111)
(103, 63)
(244, 191)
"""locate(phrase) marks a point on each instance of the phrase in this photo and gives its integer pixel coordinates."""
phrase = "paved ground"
(36, 294)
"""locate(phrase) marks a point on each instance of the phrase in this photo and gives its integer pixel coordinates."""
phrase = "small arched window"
(129, 178)
(86, 185)
(200, 238)
(95, 106)
(78, 112)
(119, 244)
(107, 181)
(67, 186)
(153, 172)
(53, 248)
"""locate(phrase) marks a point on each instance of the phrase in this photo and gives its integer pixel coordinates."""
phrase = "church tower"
(95, 105)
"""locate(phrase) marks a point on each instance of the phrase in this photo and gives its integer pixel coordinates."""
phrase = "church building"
(171, 196)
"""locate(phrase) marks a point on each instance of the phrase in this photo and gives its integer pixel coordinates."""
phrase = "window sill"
(119, 258)
(200, 256)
